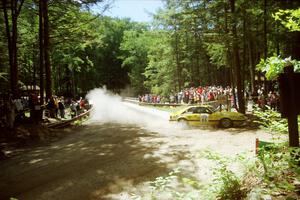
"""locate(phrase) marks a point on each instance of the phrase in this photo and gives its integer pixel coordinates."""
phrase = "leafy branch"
(290, 19)
(274, 65)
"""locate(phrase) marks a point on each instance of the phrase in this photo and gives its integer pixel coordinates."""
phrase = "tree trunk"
(228, 54)
(236, 61)
(34, 69)
(46, 51)
(9, 46)
(11, 34)
(178, 66)
(244, 50)
(14, 71)
(265, 31)
(41, 36)
(251, 62)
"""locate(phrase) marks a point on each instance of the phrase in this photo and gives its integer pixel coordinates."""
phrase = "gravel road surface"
(106, 160)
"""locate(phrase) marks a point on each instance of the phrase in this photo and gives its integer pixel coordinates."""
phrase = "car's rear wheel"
(225, 123)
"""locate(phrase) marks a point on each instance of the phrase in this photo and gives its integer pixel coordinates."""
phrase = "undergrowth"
(274, 173)
(180, 185)
(279, 171)
(271, 120)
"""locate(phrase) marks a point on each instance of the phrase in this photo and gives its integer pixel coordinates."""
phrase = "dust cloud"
(109, 108)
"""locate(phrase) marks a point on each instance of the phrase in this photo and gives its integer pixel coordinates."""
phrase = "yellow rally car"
(204, 115)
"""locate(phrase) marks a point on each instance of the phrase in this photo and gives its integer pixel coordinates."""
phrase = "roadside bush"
(279, 171)
(228, 185)
(273, 174)
(225, 184)
(271, 120)
(277, 165)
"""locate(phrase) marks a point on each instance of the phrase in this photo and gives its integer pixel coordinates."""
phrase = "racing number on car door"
(204, 117)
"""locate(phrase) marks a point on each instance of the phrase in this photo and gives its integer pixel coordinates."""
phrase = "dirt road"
(104, 161)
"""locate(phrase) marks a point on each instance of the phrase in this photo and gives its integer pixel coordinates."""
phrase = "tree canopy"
(189, 43)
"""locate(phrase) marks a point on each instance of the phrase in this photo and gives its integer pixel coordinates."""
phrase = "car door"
(203, 115)
(191, 115)
(195, 114)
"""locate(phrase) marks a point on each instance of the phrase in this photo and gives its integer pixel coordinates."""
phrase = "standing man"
(61, 108)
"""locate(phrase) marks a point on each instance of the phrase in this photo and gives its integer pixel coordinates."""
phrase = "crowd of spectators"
(56, 107)
(218, 94)
(65, 107)
(191, 95)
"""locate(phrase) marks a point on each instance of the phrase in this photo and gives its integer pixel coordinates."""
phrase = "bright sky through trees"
(137, 10)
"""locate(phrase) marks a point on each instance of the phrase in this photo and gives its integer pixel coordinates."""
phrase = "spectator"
(73, 107)
(273, 100)
(61, 108)
(82, 104)
(51, 106)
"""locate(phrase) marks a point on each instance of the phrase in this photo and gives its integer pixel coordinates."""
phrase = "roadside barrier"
(65, 123)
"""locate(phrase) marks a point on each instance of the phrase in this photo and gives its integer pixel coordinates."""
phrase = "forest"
(67, 49)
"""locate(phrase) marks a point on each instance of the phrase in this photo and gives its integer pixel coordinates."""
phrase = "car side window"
(200, 110)
(197, 110)
(190, 110)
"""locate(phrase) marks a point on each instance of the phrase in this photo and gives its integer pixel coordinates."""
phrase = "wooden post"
(292, 117)
(288, 82)
(293, 131)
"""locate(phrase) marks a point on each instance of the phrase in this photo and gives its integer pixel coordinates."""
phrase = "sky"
(137, 10)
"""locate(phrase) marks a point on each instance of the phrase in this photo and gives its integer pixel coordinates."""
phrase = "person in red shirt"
(82, 104)
(211, 96)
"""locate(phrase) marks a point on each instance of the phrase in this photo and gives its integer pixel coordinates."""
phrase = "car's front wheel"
(182, 121)
(225, 123)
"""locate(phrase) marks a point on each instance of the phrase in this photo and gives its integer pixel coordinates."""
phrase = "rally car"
(204, 115)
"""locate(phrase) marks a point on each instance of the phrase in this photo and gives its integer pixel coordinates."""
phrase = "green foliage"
(290, 19)
(225, 184)
(3, 76)
(164, 187)
(274, 171)
(228, 185)
(274, 65)
(189, 43)
(280, 166)
(217, 53)
(161, 183)
(160, 71)
(271, 120)
(134, 49)
(80, 121)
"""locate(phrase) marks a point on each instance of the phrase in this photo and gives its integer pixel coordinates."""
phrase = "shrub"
(271, 120)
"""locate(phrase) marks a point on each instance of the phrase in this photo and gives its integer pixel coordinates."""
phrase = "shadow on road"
(93, 161)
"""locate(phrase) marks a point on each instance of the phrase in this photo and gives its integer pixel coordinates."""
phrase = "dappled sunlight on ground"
(82, 163)
(113, 160)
